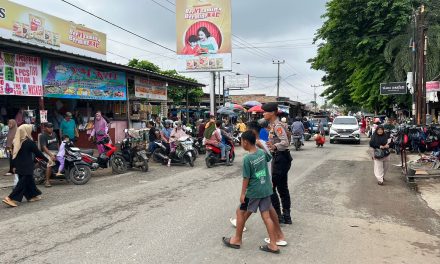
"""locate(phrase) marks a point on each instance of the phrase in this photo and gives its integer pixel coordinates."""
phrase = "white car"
(345, 128)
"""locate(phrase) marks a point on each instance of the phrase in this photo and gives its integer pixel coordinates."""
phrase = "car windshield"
(324, 121)
(345, 121)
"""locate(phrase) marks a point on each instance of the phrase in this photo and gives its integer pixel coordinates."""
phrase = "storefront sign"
(236, 81)
(432, 87)
(31, 26)
(393, 88)
(150, 89)
(43, 116)
(74, 81)
(20, 75)
(204, 35)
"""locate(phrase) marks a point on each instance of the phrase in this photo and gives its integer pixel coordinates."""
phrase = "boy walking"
(255, 194)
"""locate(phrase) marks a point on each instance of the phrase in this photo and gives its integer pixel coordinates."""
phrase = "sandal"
(266, 248)
(35, 199)
(47, 185)
(227, 242)
(9, 202)
(281, 243)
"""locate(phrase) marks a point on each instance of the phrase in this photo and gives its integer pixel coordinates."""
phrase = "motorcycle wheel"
(189, 160)
(144, 167)
(297, 146)
(156, 156)
(39, 175)
(80, 174)
(118, 164)
(209, 162)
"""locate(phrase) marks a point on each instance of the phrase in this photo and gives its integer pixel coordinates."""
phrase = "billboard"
(150, 89)
(204, 35)
(74, 81)
(20, 75)
(236, 81)
(393, 88)
(31, 26)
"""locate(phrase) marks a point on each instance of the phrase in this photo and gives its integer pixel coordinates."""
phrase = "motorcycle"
(296, 141)
(213, 155)
(75, 169)
(237, 137)
(183, 155)
(199, 147)
(109, 156)
(135, 156)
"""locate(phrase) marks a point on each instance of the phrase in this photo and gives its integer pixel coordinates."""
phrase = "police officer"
(282, 160)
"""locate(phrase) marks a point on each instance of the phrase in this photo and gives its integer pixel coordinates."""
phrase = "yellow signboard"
(24, 24)
(204, 35)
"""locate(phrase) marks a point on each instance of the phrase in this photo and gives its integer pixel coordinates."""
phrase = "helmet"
(284, 120)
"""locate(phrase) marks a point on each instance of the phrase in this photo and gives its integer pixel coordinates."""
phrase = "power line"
(164, 7)
(117, 26)
(138, 48)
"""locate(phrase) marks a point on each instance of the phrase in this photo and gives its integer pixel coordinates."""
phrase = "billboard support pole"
(212, 94)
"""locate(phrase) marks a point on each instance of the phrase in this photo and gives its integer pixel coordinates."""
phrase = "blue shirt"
(264, 134)
(167, 132)
(68, 128)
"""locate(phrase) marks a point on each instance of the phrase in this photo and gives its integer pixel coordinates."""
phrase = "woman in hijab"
(10, 138)
(213, 137)
(176, 134)
(379, 140)
(22, 154)
(100, 130)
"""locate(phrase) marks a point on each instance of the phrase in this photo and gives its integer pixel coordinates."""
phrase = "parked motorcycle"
(183, 155)
(296, 141)
(109, 156)
(213, 155)
(75, 169)
(135, 156)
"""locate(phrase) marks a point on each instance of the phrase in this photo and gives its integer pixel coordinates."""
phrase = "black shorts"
(253, 204)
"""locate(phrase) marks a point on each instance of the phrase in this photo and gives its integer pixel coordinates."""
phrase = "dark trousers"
(280, 170)
(11, 167)
(25, 187)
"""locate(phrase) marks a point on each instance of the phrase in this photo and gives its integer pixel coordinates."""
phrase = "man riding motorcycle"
(177, 133)
(298, 129)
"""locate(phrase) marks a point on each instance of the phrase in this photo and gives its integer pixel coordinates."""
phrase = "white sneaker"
(8, 174)
(281, 243)
(234, 223)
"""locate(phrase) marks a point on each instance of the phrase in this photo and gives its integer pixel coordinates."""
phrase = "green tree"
(175, 93)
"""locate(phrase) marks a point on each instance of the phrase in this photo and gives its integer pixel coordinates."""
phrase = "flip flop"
(9, 202)
(234, 223)
(227, 242)
(281, 243)
(266, 248)
(35, 199)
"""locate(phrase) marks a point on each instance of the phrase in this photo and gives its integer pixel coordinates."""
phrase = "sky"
(276, 30)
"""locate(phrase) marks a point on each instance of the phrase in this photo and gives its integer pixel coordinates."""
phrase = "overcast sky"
(285, 27)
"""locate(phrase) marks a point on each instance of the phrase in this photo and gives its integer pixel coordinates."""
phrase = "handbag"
(381, 153)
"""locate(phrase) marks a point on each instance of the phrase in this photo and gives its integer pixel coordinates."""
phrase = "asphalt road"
(179, 215)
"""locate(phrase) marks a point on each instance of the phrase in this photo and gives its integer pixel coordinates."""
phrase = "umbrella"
(238, 107)
(251, 104)
(256, 109)
(226, 111)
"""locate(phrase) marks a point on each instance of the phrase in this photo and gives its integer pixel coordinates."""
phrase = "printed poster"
(150, 89)
(20, 75)
(75, 81)
(18, 22)
(204, 35)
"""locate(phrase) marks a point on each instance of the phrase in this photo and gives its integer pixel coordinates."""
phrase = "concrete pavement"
(179, 214)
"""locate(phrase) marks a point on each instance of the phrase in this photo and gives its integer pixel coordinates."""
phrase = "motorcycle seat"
(87, 151)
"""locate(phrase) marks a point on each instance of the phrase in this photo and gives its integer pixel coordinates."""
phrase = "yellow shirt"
(241, 127)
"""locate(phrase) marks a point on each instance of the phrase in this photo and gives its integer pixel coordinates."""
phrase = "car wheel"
(332, 141)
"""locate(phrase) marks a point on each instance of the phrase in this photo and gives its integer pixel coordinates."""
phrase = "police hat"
(270, 107)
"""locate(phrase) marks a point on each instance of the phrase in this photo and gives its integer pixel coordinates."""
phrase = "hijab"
(23, 132)
(210, 129)
(11, 133)
(100, 123)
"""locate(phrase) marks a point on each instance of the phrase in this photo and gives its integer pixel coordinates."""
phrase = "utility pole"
(278, 62)
(421, 67)
(315, 96)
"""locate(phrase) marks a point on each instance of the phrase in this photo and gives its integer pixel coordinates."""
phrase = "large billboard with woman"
(204, 35)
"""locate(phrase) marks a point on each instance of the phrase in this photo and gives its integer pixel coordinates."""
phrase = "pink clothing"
(100, 130)
(215, 138)
(176, 134)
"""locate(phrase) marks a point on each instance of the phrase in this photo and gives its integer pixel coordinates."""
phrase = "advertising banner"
(74, 81)
(20, 75)
(31, 26)
(432, 87)
(204, 35)
(393, 88)
(150, 89)
(236, 81)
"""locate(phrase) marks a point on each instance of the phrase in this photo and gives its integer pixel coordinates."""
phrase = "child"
(256, 127)
(255, 194)
(192, 47)
(60, 155)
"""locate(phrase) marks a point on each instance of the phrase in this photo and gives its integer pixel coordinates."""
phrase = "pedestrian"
(49, 146)
(23, 159)
(12, 124)
(68, 127)
(282, 161)
(255, 194)
(379, 142)
(100, 130)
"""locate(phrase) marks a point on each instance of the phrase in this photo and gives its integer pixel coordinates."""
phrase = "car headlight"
(333, 131)
(357, 132)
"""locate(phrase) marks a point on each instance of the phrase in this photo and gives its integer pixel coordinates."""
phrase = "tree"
(175, 93)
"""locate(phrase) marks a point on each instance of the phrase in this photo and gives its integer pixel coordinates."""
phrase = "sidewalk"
(430, 192)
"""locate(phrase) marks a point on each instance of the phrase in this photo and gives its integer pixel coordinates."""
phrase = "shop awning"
(30, 49)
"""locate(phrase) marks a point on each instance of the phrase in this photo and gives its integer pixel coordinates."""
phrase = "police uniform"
(282, 161)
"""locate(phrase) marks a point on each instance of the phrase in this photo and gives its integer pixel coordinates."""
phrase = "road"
(179, 215)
